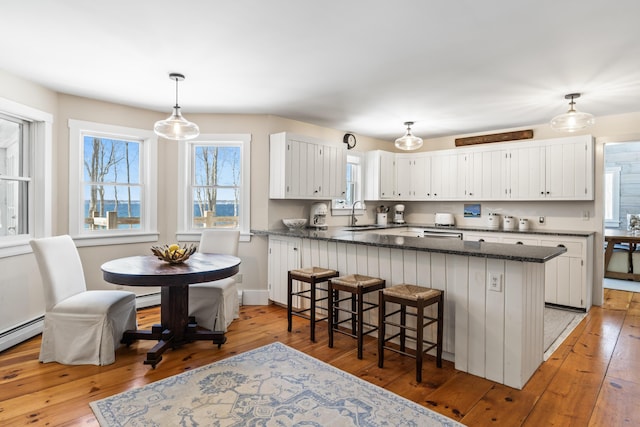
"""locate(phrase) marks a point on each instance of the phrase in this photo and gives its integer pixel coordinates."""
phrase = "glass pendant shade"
(572, 120)
(176, 127)
(408, 141)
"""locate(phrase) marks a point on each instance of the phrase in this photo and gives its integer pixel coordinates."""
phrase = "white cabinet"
(554, 169)
(411, 170)
(284, 255)
(444, 175)
(468, 178)
(380, 175)
(567, 277)
(303, 168)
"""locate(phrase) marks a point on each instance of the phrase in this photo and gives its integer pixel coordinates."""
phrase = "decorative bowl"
(173, 254)
(294, 223)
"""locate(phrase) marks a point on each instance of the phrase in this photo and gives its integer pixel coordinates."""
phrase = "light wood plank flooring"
(593, 379)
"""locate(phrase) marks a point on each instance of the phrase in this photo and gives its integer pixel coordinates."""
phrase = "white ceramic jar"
(508, 223)
(523, 224)
(493, 220)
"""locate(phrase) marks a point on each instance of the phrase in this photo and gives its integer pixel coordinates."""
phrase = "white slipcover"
(215, 304)
(80, 327)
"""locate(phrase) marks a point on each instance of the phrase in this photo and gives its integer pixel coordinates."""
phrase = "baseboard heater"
(21, 333)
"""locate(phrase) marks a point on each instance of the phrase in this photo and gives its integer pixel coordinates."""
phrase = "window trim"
(185, 231)
(614, 222)
(339, 207)
(40, 198)
(148, 176)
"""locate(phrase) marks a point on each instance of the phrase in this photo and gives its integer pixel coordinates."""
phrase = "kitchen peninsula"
(494, 292)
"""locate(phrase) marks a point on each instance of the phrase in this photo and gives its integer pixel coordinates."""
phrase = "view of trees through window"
(216, 186)
(112, 185)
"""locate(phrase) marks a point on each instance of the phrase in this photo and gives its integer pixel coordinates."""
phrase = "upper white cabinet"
(411, 170)
(305, 168)
(380, 175)
(553, 169)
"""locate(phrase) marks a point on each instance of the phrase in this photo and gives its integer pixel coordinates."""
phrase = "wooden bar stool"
(313, 276)
(357, 286)
(420, 298)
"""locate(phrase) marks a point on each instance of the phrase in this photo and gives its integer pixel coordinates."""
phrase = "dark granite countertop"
(525, 253)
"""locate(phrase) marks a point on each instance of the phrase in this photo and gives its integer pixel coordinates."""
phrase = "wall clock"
(350, 140)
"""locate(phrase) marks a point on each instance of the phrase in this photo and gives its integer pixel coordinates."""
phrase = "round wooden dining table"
(176, 327)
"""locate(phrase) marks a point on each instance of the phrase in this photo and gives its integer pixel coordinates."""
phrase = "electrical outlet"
(495, 282)
(541, 220)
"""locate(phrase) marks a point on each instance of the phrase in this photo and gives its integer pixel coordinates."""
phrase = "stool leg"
(360, 321)
(381, 328)
(419, 339)
(289, 300)
(403, 329)
(354, 319)
(330, 311)
(312, 312)
(440, 330)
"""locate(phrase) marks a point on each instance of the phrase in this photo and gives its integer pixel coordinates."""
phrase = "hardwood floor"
(593, 379)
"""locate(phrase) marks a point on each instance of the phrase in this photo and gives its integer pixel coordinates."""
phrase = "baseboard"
(147, 300)
(254, 297)
(21, 333)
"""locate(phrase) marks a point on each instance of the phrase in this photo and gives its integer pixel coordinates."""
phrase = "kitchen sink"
(359, 227)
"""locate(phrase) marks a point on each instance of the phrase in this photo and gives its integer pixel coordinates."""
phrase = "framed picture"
(472, 210)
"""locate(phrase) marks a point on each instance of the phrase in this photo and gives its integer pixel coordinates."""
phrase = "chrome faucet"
(353, 212)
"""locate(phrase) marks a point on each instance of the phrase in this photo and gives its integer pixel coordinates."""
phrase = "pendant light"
(572, 120)
(176, 127)
(408, 141)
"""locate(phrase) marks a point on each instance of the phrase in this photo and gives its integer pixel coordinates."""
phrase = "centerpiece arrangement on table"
(173, 254)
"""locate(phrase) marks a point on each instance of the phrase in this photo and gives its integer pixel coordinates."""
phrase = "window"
(354, 185)
(25, 176)
(112, 193)
(612, 197)
(15, 177)
(215, 191)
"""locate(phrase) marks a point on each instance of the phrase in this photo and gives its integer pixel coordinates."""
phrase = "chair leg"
(419, 339)
(403, 330)
(381, 328)
(360, 321)
(330, 315)
(289, 300)
(312, 312)
(440, 331)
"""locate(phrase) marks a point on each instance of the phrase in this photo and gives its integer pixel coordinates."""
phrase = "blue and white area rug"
(273, 385)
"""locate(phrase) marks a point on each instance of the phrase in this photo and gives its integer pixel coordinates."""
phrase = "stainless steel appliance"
(398, 216)
(318, 216)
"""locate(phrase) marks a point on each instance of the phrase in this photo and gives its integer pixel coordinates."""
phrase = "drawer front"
(574, 249)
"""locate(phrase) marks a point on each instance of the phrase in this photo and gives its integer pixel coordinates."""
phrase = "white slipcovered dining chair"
(80, 326)
(215, 304)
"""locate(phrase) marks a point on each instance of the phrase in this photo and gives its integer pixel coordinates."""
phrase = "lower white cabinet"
(284, 255)
(568, 277)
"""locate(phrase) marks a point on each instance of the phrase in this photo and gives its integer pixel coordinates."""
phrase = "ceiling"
(453, 67)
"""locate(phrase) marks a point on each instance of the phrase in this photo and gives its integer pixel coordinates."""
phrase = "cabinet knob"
(561, 245)
(295, 249)
(519, 243)
(481, 240)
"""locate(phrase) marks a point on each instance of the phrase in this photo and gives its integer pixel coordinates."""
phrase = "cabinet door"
(284, 255)
(568, 170)
(387, 175)
(491, 175)
(469, 176)
(403, 177)
(335, 172)
(565, 277)
(526, 173)
(444, 176)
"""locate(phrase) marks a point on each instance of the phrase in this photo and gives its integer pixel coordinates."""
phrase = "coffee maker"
(318, 216)
(398, 216)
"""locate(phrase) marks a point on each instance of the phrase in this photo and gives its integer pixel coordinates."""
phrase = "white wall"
(20, 292)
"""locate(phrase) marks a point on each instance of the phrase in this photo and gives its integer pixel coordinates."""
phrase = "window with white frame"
(25, 176)
(112, 191)
(612, 197)
(354, 183)
(215, 192)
